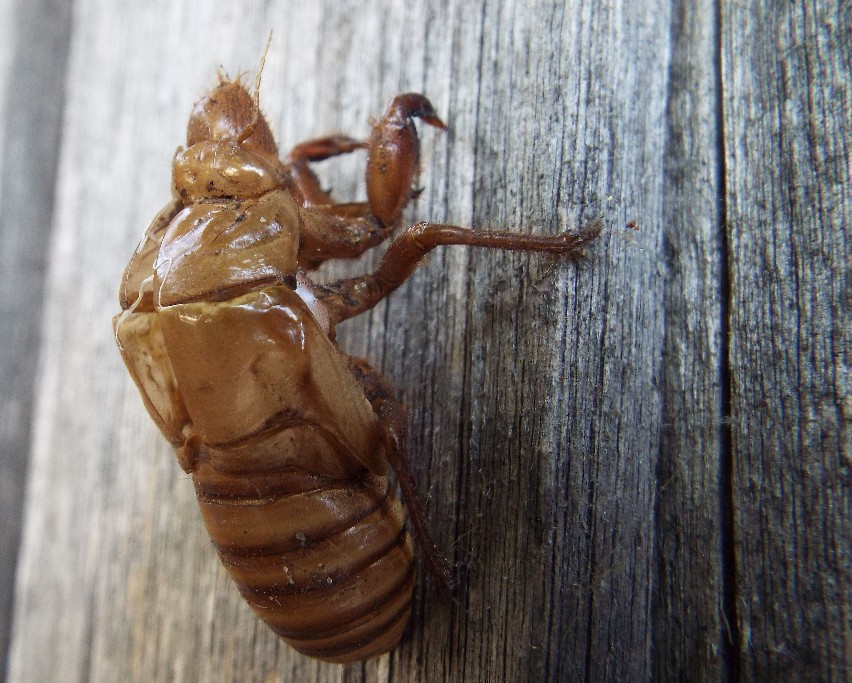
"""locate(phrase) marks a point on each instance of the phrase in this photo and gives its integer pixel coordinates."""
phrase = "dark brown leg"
(298, 163)
(346, 230)
(330, 229)
(394, 156)
(393, 419)
(350, 297)
(328, 235)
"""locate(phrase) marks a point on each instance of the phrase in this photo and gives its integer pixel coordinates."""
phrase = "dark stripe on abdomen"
(328, 568)
(277, 523)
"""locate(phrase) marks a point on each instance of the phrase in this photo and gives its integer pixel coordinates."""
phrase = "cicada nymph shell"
(288, 440)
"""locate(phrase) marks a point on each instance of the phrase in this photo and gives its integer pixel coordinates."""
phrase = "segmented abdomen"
(325, 562)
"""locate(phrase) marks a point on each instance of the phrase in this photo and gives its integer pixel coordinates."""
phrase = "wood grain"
(639, 464)
(690, 562)
(34, 40)
(788, 203)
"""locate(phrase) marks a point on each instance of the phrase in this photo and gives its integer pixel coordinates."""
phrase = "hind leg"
(393, 420)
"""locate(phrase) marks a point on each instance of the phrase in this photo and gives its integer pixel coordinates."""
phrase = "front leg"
(329, 229)
(392, 166)
(298, 163)
(346, 230)
(394, 156)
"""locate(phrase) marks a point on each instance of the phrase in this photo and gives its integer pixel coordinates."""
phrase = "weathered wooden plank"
(550, 546)
(787, 173)
(33, 51)
(690, 637)
(533, 385)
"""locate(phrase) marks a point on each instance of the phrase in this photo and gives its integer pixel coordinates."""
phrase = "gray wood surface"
(691, 528)
(639, 465)
(33, 54)
(788, 202)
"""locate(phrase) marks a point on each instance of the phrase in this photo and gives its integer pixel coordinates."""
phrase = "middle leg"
(349, 297)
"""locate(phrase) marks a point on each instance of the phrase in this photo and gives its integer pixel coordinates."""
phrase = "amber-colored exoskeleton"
(288, 440)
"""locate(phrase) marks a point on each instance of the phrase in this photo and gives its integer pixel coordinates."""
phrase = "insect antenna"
(247, 132)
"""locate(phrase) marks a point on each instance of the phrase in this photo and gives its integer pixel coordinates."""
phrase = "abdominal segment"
(326, 563)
